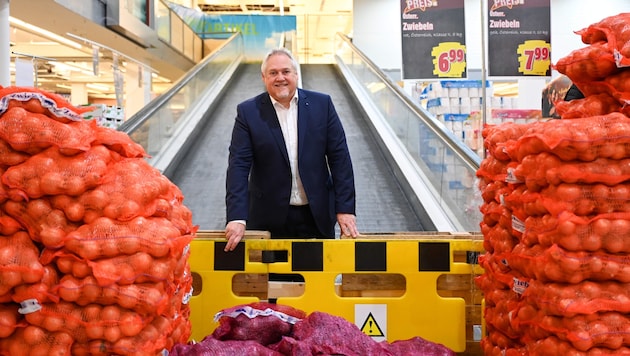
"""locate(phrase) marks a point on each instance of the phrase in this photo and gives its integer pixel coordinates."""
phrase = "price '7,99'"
(534, 57)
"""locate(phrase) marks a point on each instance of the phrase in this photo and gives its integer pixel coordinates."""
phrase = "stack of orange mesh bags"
(556, 214)
(94, 242)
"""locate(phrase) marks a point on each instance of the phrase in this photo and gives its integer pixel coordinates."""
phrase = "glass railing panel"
(163, 21)
(173, 30)
(449, 165)
(156, 123)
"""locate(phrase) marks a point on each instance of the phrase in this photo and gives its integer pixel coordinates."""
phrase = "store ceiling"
(60, 65)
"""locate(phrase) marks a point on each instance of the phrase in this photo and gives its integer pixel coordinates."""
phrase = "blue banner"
(260, 32)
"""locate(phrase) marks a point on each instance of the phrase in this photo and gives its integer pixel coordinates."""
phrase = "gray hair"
(278, 51)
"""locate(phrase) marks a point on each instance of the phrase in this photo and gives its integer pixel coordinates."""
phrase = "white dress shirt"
(288, 123)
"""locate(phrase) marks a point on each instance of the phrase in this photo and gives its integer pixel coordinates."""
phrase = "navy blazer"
(258, 156)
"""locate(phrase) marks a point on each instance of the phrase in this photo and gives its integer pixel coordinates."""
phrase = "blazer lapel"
(302, 119)
(268, 114)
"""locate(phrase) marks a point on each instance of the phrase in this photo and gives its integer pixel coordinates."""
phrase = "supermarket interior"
(490, 147)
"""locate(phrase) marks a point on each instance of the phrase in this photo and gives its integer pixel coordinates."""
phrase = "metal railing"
(167, 124)
(439, 169)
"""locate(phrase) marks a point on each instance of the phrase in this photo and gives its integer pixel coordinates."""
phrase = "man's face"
(280, 78)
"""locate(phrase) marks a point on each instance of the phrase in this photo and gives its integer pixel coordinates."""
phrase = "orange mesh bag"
(19, 261)
(586, 297)
(502, 314)
(91, 322)
(583, 139)
(494, 190)
(593, 105)
(181, 218)
(489, 349)
(33, 340)
(491, 213)
(32, 133)
(84, 208)
(539, 170)
(619, 87)
(497, 338)
(67, 263)
(497, 273)
(40, 102)
(145, 298)
(8, 225)
(487, 283)
(108, 271)
(179, 298)
(496, 297)
(554, 346)
(615, 31)
(9, 156)
(182, 329)
(615, 85)
(10, 319)
(580, 199)
(120, 269)
(604, 232)
(72, 206)
(118, 142)
(42, 291)
(105, 237)
(591, 63)
(52, 173)
(44, 224)
(496, 137)
(493, 169)
(495, 214)
(133, 186)
(498, 239)
(603, 330)
(555, 264)
(151, 341)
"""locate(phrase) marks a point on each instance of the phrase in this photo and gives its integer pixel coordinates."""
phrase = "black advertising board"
(433, 39)
(519, 35)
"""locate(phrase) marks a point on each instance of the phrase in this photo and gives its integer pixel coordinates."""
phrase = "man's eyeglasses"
(275, 73)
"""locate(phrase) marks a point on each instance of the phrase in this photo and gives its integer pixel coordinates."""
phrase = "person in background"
(289, 168)
(573, 93)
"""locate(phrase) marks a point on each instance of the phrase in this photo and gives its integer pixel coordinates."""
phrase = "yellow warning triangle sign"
(370, 327)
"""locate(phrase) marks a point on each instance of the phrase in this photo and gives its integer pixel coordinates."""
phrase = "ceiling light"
(45, 33)
(101, 87)
(71, 68)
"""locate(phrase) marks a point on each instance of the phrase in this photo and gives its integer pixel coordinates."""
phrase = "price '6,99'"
(449, 59)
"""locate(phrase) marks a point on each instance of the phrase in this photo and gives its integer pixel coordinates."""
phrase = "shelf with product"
(458, 104)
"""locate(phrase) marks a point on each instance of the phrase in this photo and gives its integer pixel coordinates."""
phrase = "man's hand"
(347, 225)
(234, 232)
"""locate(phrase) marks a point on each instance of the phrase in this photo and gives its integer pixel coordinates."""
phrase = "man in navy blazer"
(289, 169)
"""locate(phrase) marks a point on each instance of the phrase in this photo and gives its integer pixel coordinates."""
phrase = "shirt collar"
(293, 100)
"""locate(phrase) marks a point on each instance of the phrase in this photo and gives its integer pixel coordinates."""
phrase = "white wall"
(377, 33)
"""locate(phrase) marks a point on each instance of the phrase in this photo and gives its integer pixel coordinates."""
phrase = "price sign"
(534, 57)
(449, 60)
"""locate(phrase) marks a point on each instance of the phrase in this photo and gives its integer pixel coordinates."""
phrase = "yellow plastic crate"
(392, 286)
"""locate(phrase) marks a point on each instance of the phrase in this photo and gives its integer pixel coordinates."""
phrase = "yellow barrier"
(421, 258)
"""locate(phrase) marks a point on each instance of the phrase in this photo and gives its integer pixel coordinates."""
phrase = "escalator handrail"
(154, 105)
(467, 155)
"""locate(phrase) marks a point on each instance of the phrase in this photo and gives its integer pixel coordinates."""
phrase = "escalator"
(200, 174)
(411, 173)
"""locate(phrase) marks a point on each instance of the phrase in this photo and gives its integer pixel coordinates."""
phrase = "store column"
(5, 39)
(78, 94)
(137, 88)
